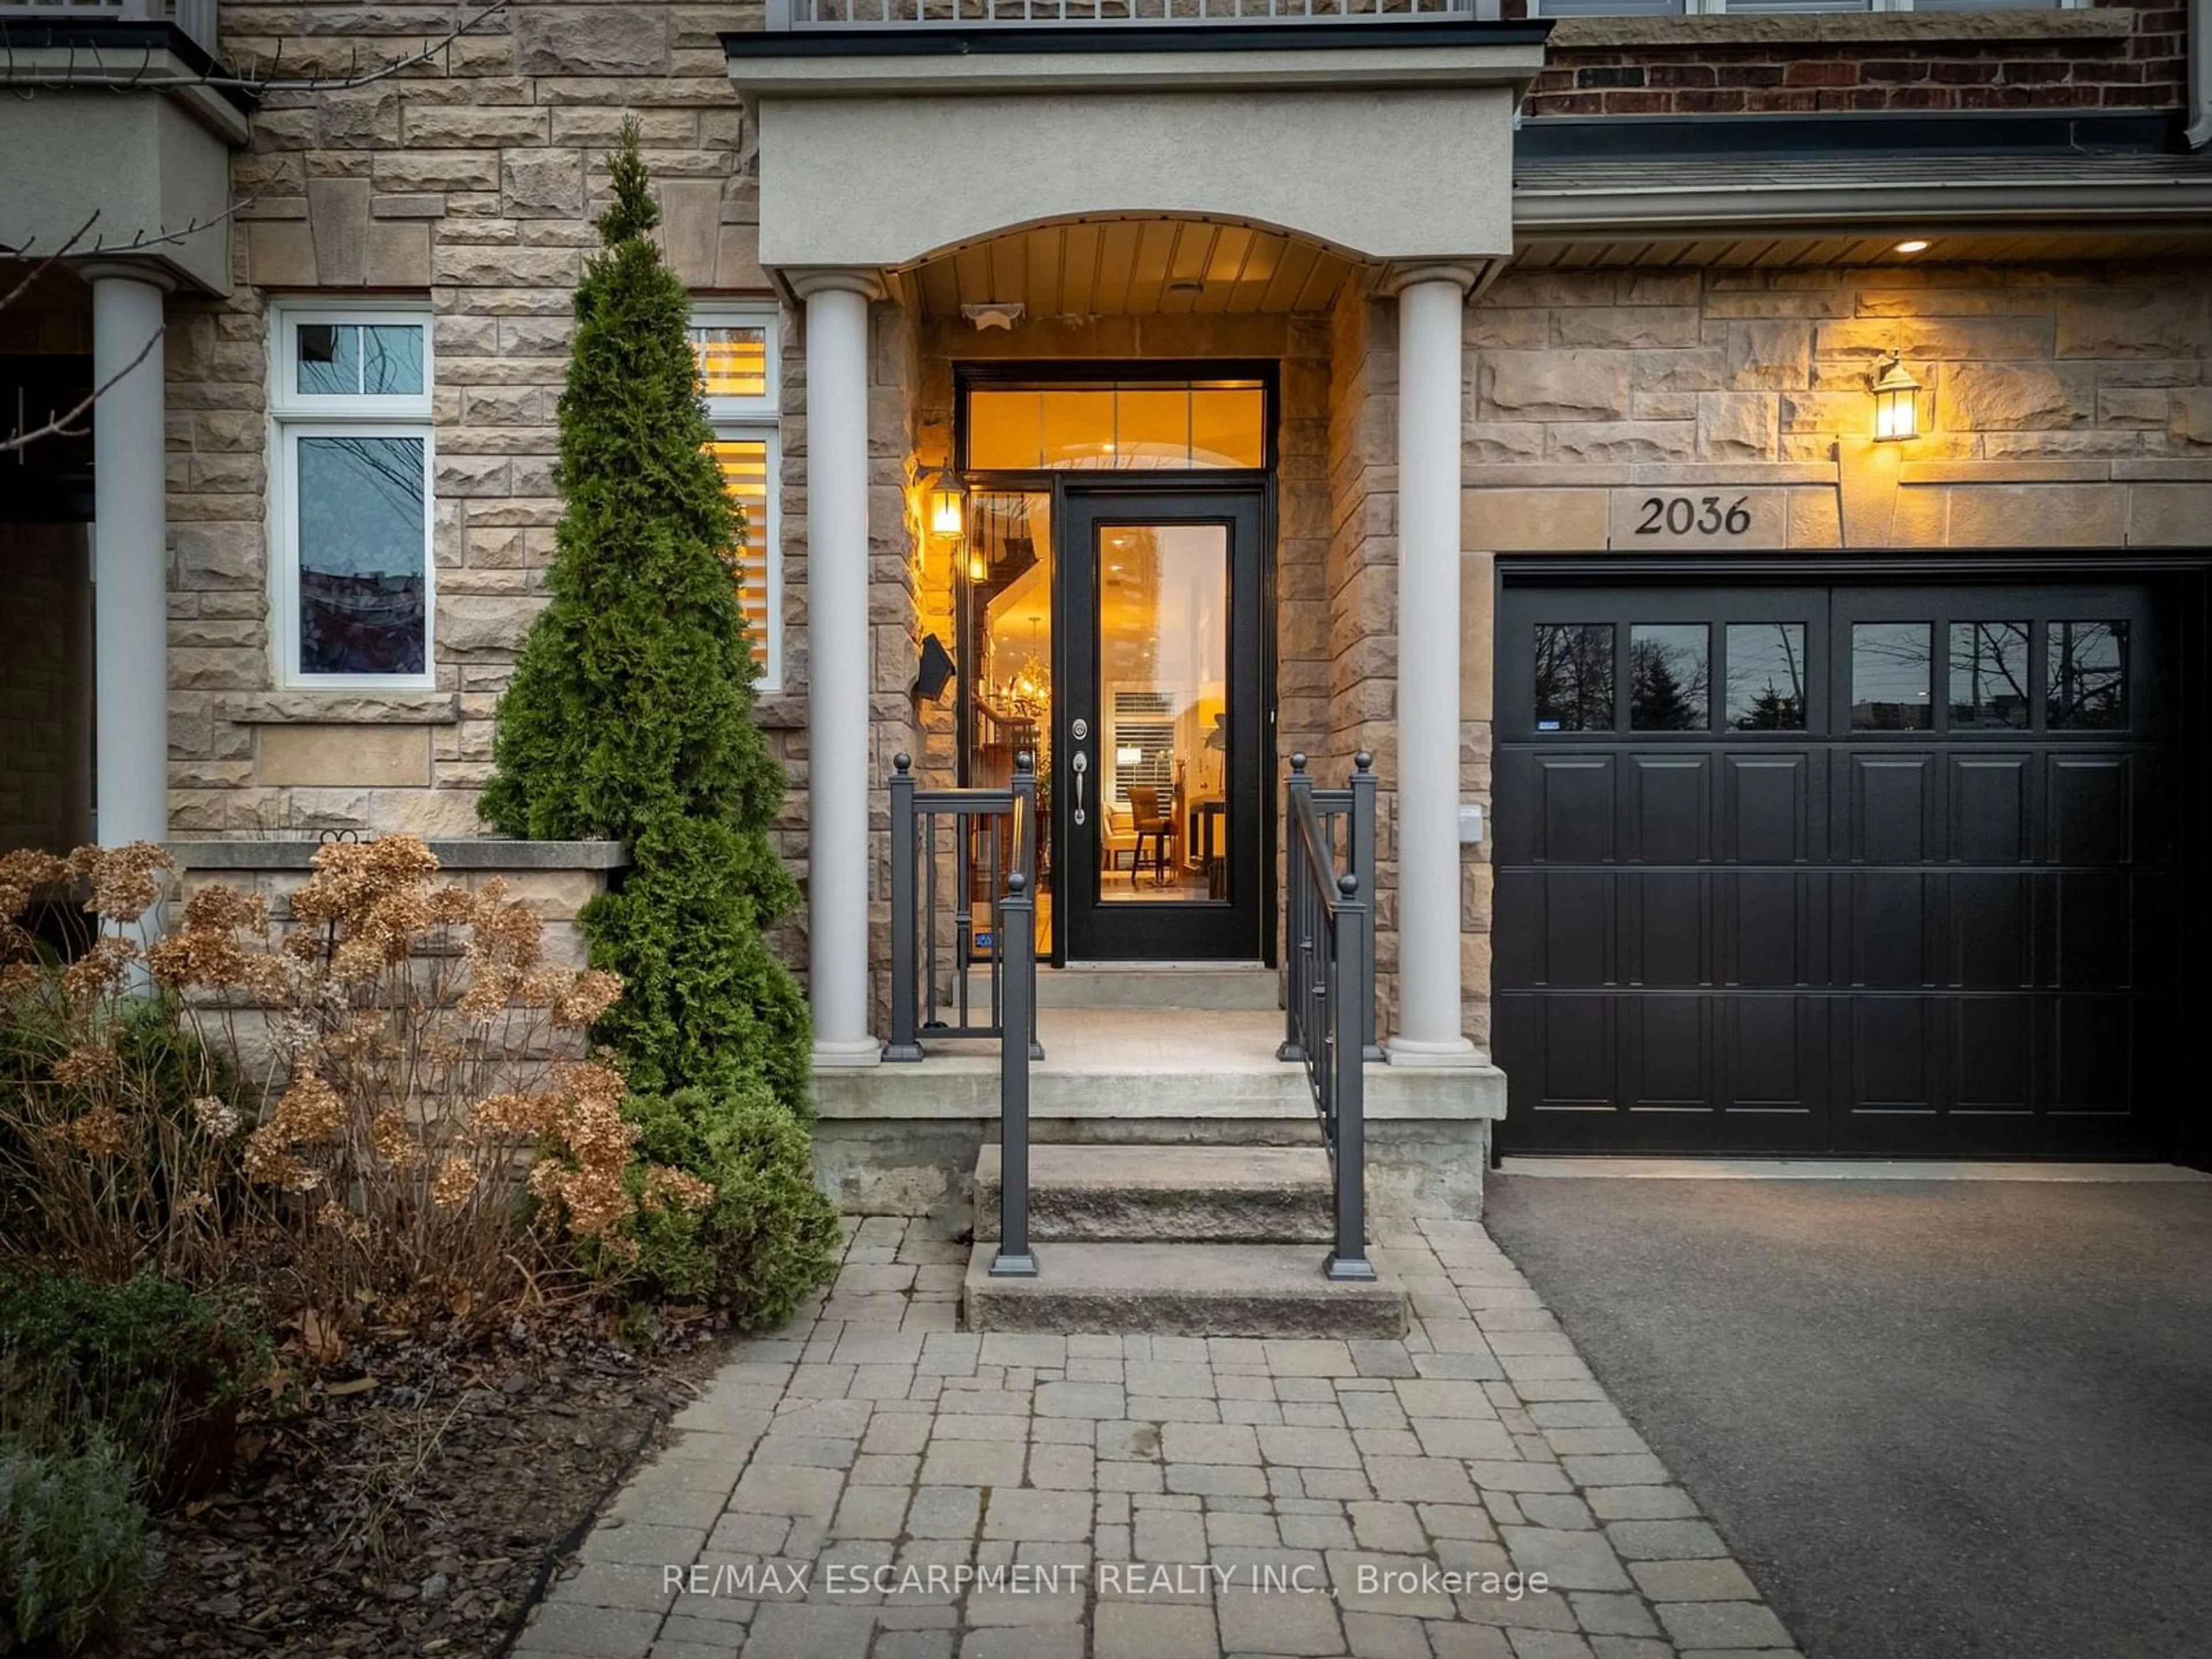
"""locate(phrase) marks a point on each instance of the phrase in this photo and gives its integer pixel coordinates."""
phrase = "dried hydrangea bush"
(118, 1149)
(410, 1108)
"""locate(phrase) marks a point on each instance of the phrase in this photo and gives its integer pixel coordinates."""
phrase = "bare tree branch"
(60, 426)
(47, 262)
(28, 78)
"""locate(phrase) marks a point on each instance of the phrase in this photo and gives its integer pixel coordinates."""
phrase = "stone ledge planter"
(555, 878)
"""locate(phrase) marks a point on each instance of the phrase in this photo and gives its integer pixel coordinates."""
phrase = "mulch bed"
(415, 1502)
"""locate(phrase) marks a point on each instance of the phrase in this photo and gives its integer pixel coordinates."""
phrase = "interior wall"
(46, 686)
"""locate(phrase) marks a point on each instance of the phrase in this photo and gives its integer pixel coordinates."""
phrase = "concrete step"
(1183, 1289)
(1205, 987)
(1218, 1194)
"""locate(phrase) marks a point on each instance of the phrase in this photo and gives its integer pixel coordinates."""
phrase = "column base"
(843, 1053)
(1405, 1051)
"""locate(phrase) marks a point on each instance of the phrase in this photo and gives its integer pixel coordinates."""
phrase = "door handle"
(1078, 764)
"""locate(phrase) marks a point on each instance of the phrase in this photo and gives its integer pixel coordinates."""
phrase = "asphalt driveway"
(1933, 1418)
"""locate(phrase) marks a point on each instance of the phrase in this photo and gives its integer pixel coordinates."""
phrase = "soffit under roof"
(1136, 266)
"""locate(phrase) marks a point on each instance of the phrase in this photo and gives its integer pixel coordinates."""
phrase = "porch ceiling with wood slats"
(1140, 266)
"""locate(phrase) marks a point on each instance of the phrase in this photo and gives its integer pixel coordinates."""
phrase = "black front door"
(1160, 761)
(1838, 868)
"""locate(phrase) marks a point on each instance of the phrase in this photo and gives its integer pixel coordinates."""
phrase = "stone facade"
(472, 183)
(2066, 406)
(2110, 56)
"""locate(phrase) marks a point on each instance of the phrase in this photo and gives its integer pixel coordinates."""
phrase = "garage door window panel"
(2086, 669)
(1988, 674)
(1667, 674)
(1891, 664)
(1766, 677)
(1574, 677)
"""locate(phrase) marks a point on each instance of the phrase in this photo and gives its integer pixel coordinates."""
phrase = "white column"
(837, 660)
(129, 559)
(1431, 304)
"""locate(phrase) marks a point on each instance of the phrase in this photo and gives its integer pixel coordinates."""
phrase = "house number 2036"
(1683, 515)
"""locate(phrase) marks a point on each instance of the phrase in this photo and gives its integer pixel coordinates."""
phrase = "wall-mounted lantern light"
(948, 507)
(1896, 399)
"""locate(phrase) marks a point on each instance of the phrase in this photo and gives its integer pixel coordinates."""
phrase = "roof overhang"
(1985, 198)
(886, 147)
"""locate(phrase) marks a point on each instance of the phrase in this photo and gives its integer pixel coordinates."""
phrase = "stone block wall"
(2110, 55)
(472, 181)
(2065, 407)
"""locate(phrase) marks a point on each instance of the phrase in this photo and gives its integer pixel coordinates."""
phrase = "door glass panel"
(1574, 677)
(1228, 427)
(2088, 668)
(1766, 677)
(1889, 676)
(1667, 676)
(1005, 570)
(1989, 676)
(1161, 757)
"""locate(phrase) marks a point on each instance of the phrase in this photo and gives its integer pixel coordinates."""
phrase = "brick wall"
(2108, 56)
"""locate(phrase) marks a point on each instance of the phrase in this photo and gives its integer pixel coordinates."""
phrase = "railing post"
(1354, 988)
(1363, 866)
(1024, 853)
(1294, 893)
(904, 1043)
(1014, 1260)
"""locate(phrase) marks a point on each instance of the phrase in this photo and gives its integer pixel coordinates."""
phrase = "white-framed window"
(738, 349)
(350, 496)
(1769, 8)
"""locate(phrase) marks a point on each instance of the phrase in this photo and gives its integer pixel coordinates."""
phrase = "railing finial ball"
(1017, 882)
(1363, 760)
(1348, 885)
(1298, 762)
(902, 762)
(1024, 761)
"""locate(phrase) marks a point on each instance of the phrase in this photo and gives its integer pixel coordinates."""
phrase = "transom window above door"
(1154, 426)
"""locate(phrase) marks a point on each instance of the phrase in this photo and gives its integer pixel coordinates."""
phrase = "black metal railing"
(1328, 982)
(979, 846)
(953, 852)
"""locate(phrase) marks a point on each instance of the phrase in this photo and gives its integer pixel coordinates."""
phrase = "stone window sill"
(488, 853)
(1841, 28)
(342, 709)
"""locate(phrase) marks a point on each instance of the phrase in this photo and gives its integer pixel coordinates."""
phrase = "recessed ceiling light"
(1912, 247)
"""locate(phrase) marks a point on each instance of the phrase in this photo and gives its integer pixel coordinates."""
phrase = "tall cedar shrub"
(630, 715)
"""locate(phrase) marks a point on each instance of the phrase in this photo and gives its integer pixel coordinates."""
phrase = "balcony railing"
(805, 15)
(195, 18)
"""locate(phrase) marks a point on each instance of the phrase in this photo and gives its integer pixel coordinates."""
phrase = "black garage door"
(1840, 868)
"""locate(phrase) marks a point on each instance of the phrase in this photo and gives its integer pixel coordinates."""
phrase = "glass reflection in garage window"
(1668, 674)
(1989, 676)
(1574, 677)
(2087, 667)
(363, 542)
(1766, 677)
(1890, 667)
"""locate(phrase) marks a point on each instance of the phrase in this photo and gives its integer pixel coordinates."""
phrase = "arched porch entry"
(1081, 223)
(1135, 411)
